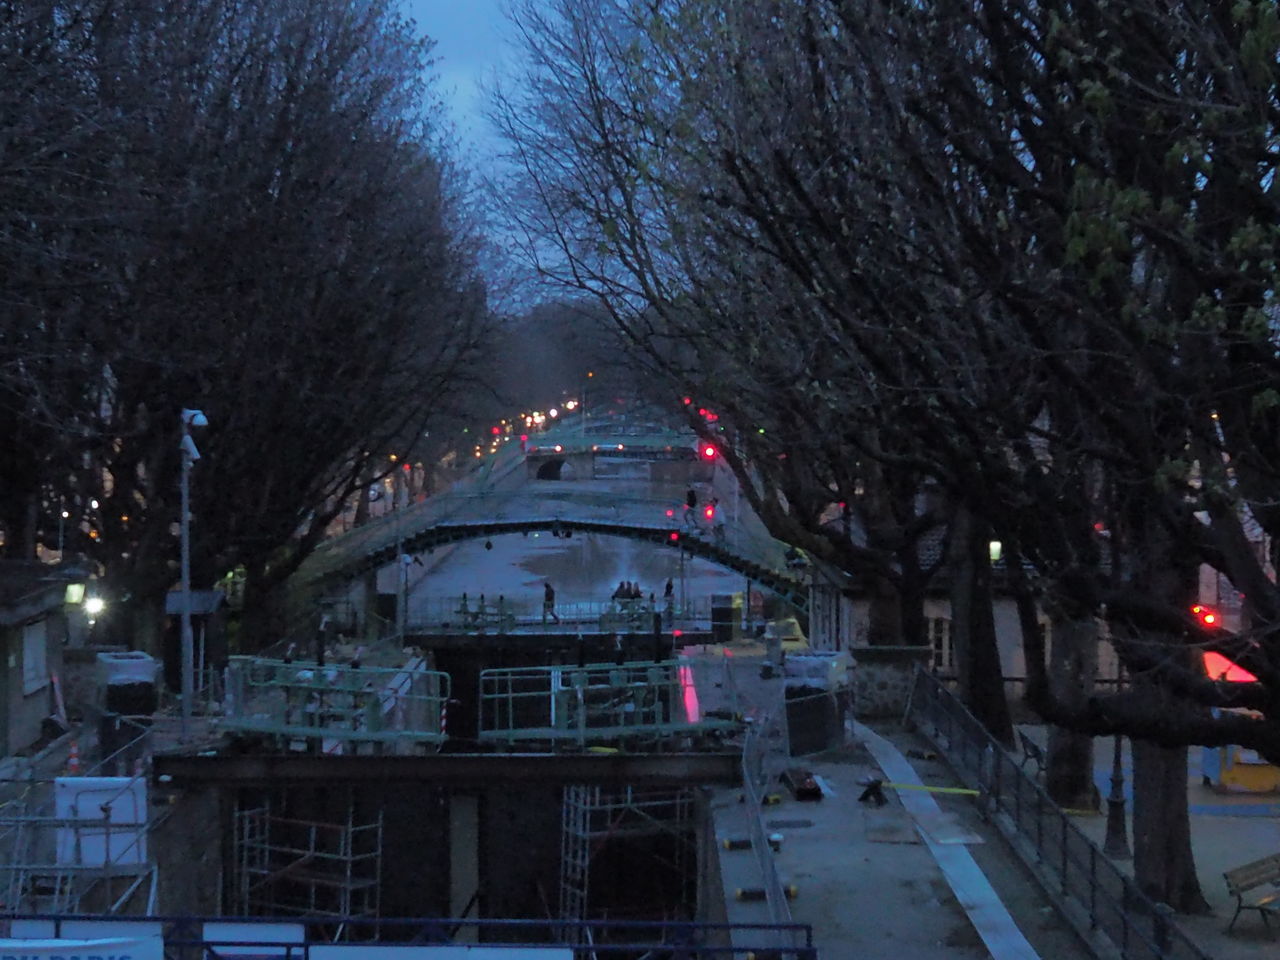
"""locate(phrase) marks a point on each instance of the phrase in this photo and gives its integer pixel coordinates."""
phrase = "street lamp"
(190, 418)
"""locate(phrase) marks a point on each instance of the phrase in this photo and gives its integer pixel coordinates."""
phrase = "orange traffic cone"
(73, 759)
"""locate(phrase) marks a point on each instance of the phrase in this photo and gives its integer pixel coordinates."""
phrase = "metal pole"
(402, 585)
(1117, 842)
(684, 609)
(188, 644)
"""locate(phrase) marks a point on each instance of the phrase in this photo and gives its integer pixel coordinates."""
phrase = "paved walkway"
(872, 888)
(1227, 830)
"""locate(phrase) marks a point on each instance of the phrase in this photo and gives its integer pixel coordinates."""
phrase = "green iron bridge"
(561, 508)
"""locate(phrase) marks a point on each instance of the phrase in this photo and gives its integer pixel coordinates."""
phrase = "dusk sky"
(469, 44)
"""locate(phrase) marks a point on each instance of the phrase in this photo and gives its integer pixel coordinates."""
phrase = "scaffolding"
(660, 824)
(76, 845)
(310, 868)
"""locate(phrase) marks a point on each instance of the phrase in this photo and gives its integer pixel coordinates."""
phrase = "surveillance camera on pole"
(190, 418)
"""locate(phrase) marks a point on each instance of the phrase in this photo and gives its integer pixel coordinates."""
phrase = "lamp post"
(190, 418)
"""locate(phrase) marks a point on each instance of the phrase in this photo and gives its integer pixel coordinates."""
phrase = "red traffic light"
(709, 511)
(1206, 615)
(709, 451)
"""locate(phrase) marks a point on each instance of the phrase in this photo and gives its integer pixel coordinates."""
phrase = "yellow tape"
(921, 786)
(972, 793)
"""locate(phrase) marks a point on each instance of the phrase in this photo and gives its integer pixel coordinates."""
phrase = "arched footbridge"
(560, 508)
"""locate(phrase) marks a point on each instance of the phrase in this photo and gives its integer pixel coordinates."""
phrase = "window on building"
(939, 629)
(35, 656)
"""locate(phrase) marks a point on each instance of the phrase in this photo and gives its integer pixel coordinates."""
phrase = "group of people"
(627, 590)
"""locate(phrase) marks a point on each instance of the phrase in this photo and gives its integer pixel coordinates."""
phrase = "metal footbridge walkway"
(563, 508)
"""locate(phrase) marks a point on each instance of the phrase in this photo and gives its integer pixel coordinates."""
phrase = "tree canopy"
(241, 206)
(1024, 252)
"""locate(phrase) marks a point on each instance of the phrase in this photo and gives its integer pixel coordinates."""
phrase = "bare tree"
(1013, 249)
(274, 235)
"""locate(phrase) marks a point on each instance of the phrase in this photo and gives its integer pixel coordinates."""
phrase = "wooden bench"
(1031, 751)
(1259, 873)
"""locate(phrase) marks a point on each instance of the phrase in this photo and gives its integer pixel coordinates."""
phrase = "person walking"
(691, 509)
(549, 603)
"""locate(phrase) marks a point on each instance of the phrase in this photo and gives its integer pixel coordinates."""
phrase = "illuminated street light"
(94, 606)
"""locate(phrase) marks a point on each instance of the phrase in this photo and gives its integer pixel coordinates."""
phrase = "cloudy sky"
(469, 45)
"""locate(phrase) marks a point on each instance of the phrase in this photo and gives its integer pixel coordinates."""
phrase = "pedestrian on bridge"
(691, 509)
(549, 603)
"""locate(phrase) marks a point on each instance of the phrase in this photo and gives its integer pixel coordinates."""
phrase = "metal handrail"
(610, 938)
(335, 701)
(754, 779)
(444, 612)
(1138, 927)
(570, 703)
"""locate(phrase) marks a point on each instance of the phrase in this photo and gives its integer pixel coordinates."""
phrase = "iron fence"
(302, 938)
(1087, 880)
(764, 751)
(598, 701)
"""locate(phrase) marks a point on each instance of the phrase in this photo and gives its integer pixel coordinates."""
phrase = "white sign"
(119, 948)
(114, 810)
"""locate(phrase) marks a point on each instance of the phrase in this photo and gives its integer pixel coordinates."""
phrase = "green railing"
(595, 702)
(337, 703)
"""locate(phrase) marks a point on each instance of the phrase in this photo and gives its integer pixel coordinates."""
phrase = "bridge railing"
(336, 702)
(434, 614)
(297, 937)
(594, 702)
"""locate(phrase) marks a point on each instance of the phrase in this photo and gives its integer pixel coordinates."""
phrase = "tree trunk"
(911, 600)
(1163, 863)
(260, 619)
(1073, 659)
(973, 630)
(884, 626)
(1162, 860)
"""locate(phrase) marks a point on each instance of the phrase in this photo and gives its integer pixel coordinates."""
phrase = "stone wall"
(882, 678)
